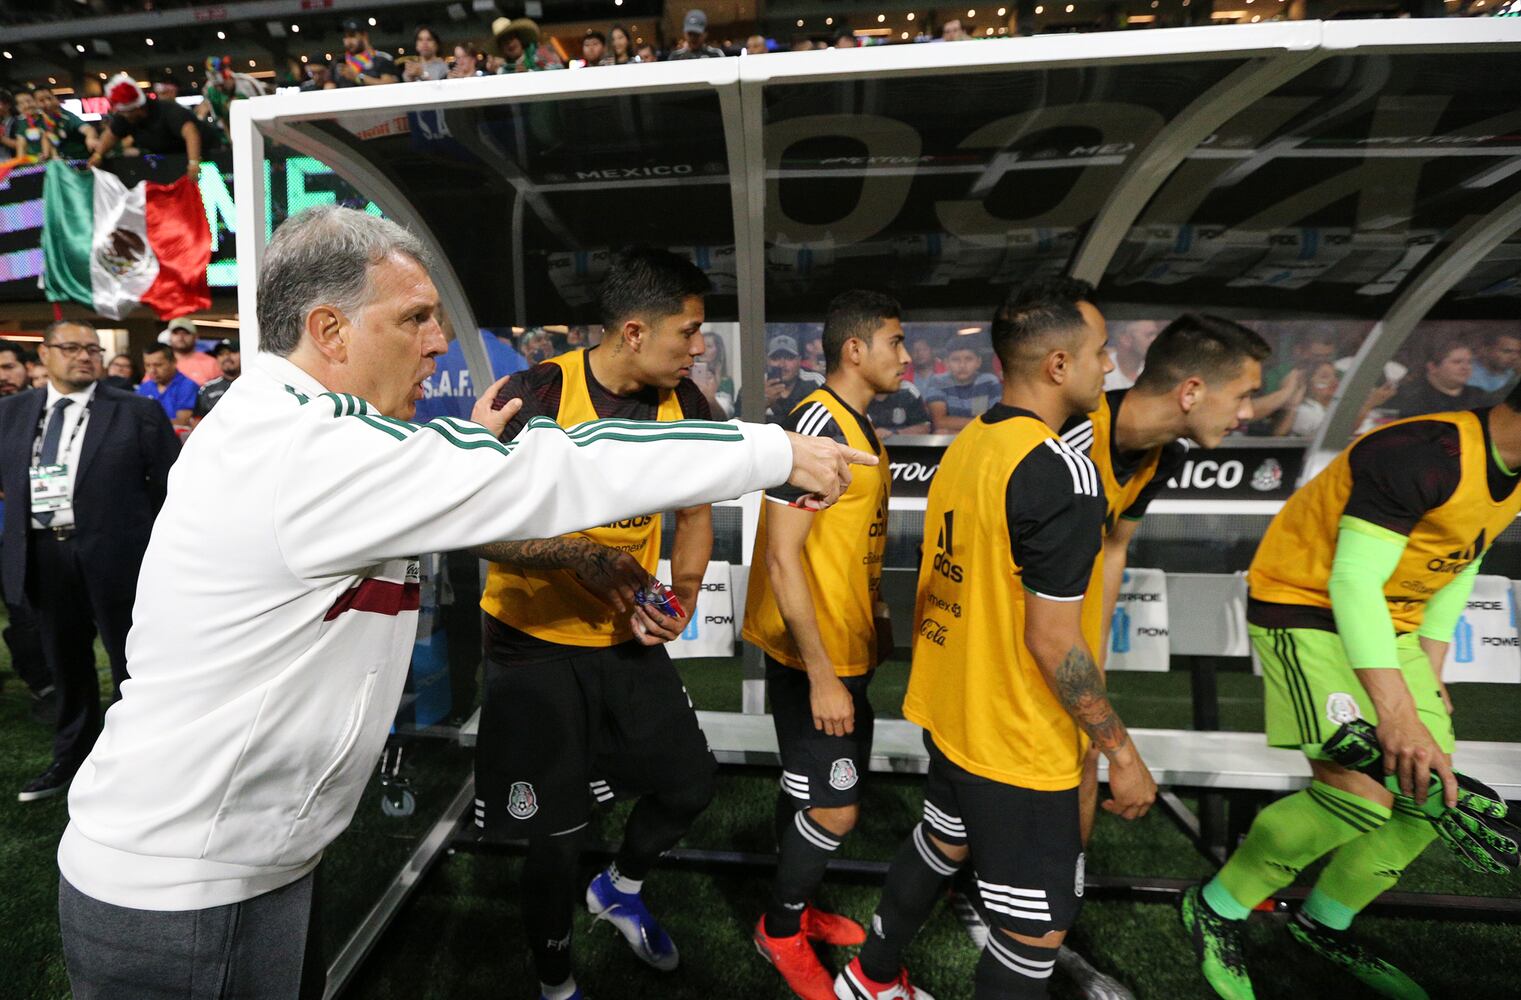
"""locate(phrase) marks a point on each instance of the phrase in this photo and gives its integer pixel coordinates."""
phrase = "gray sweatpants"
(264, 948)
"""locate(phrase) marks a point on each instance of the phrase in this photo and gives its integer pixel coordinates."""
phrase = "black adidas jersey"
(816, 421)
(1055, 531)
(1401, 473)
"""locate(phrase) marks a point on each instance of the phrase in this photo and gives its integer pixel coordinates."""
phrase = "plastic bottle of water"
(1120, 631)
(1462, 641)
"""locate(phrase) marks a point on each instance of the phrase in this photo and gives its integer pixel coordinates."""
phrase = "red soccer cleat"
(852, 984)
(795, 960)
(832, 928)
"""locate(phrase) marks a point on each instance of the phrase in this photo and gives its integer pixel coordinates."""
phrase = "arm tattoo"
(1080, 688)
(562, 552)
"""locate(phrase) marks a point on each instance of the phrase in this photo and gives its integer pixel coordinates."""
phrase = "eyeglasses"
(69, 350)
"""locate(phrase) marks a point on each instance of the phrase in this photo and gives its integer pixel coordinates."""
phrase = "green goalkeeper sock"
(1287, 836)
(1365, 867)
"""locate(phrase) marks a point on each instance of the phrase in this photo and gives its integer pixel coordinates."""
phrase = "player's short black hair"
(156, 348)
(856, 313)
(647, 283)
(1034, 310)
(51, 330)
(1197, 345)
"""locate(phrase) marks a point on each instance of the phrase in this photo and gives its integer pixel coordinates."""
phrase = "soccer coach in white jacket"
(266, 668)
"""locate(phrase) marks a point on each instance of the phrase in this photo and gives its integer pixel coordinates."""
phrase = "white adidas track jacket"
(277, 608)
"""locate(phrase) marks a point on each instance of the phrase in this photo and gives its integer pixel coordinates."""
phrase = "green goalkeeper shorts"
(1310, 689)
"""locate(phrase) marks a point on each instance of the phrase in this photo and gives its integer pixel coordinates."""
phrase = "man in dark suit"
(85, 468)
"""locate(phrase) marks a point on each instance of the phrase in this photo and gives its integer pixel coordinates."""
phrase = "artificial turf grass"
(1140, 944)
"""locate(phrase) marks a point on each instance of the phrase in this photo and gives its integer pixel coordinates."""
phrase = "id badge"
(50, 489)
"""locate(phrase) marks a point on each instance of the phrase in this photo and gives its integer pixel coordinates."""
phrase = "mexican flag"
(110, 247)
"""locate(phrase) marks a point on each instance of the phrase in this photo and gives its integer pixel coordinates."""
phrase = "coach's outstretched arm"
(342, 506)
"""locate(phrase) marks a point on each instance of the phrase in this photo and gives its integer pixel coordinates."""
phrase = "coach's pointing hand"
(822, 467)
(493, 414)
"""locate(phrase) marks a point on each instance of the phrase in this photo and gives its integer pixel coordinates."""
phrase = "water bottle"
(1120, 631)
(1463, 641)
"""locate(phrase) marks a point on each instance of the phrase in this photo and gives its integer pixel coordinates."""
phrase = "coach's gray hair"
(323, 257)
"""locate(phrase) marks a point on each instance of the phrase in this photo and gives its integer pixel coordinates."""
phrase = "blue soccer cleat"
(578, 995)
(626, 911)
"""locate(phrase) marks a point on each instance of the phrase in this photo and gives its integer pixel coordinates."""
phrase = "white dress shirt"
(70, 444)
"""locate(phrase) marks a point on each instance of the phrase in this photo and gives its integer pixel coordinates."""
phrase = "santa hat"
(124, 93)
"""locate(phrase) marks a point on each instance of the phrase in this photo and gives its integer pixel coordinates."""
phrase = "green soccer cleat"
(1338, 948)
(1217, 943)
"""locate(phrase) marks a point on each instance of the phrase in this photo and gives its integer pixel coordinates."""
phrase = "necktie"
(50, 440)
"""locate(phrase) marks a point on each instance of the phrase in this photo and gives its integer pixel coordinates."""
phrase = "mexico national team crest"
(1341, 708)
(1268, 477)
(522, 801)
(1079, 874)
(843, 774)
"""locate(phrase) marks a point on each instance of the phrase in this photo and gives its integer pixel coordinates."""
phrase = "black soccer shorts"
(1027, 850)
(818, 769)
(560, 735)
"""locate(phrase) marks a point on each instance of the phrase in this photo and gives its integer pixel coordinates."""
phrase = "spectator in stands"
(429, 63)
(319, 76)
(1443, 386)
(1309, 412)
(167, 386)
(36, 371)
(695, 27)
(362, 63)
(755, 45)
(723, 384)
(594, 49)
(961, 395)
(802, 43)
(75, 531)
(536, 346)
(13, 374)
(231, 363)
(24, 133)
(813, 352)
(900, 412)
(926, 362)
(166, 86)
(7, 112)
(72, 138)
(161, 127)
(467, 63)
(517, 39)
(620, 45)
(786, 381)
(223, 86)
(122, 374)
(198, 367)
(1495, 362)
(1128, 342)
(952, 31)
(646, 53)
(845, 39)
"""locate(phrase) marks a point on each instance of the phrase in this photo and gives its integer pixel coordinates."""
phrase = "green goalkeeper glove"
(1475, 829)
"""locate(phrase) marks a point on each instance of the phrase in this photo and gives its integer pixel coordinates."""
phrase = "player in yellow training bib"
(1196, 384)
(582, 704)
(1354, 594)
(814, 608)
(1004, 679)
